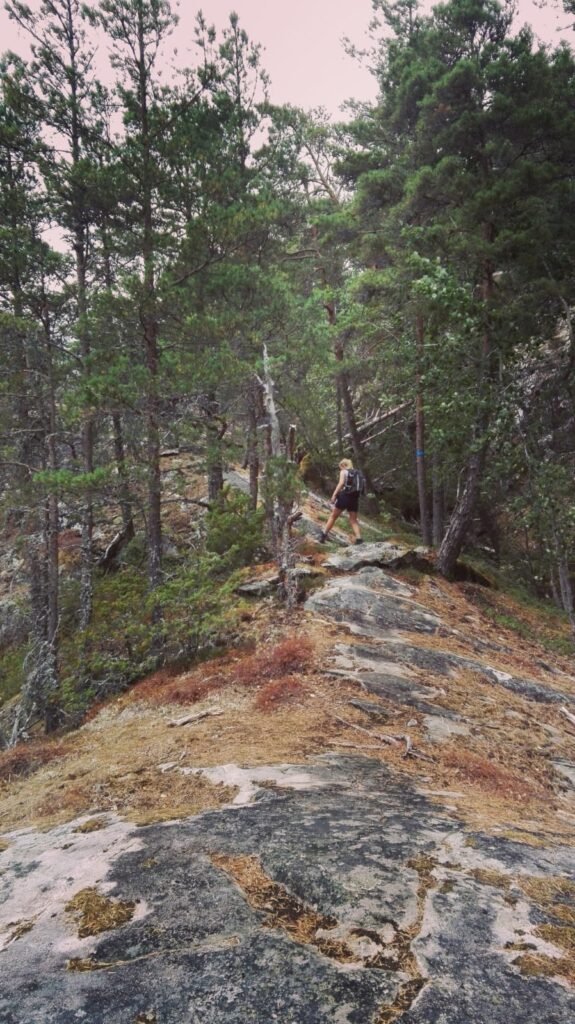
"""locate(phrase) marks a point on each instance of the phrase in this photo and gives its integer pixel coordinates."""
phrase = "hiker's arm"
(340, 484)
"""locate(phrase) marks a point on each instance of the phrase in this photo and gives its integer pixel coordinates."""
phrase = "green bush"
(11, 671)
(199, 607)
(120, 646)
(235, 531)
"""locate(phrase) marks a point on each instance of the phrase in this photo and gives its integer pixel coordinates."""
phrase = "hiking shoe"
(359, 540)
(322, 537)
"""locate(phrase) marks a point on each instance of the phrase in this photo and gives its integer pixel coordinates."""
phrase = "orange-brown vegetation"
(26, 758)
(286, 690)
(290, 657)
(489, 774)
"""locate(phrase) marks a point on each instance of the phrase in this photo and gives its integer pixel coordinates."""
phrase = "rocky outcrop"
(382, 554)
(371, 602)
(409, 921)
(336, 891)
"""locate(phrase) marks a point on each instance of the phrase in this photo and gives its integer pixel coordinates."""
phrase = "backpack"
(354, 482)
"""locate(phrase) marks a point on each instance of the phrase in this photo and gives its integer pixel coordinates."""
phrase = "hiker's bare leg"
(335, 514)
(355, 525)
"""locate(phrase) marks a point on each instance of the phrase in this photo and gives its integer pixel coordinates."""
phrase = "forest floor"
(389, 686)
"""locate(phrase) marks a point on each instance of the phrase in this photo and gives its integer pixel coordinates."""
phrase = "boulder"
(382, 554)
(372, 603)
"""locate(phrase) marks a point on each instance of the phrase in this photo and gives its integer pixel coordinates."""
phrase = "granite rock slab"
(396, 656)
(349, 846)
(371, 602)
(381, 554)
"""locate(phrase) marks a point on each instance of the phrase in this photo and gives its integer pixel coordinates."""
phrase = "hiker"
(345, 498)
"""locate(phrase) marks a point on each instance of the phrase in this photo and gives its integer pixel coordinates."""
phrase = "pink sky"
(302, 41)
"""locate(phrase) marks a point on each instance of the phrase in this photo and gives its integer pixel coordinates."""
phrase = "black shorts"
(347, 501)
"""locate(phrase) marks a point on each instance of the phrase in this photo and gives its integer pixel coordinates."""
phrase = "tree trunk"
(420, 460)
(462, 513)
(255, 414)
(216, 428)
(281, 504)
(555, 590)
(438, 502)
(565, 588)
(150, 336)
(344, 397)
(253, 458)
(339, 422)
(87, 554)
(465, 505)
(121, 469)
(564, 578)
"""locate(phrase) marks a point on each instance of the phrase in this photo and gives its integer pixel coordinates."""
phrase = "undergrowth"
(274, 672)
(529, 617)
(11, 675)
(198, 612)
(25, 758)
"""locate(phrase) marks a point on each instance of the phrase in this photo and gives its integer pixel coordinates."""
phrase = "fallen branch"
(356, 746)
(393, 741)
(193, 718)
(373, 735)
(187, 501)
(410, 750)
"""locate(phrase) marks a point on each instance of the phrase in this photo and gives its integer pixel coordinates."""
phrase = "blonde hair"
(346, 464)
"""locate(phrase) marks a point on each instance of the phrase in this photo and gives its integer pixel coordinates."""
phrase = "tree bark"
(281, 504)
(462, 513)
(438, 501)
(121, 469)
(420, 460)
(466, 502)
(255, 414)
(344, 397)
(150, 332)
(216, 428)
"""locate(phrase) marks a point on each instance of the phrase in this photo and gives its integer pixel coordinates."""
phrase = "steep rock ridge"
(341, 890)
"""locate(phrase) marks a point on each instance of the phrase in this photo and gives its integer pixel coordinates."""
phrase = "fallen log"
(193, 718)
(392, 741)
(373, 735)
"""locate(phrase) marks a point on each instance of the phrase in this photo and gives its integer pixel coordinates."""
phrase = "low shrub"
(289, 657)
(274, 695)
(11, 671)
(26, 758)
(235, 531)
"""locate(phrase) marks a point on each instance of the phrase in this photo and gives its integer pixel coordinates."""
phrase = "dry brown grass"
(501, 771)
(539, 965)
(545, 891)
(560, 935)
(497, 879)
(113, 764)
(91, 825)
(97, 913)
(282, 909)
